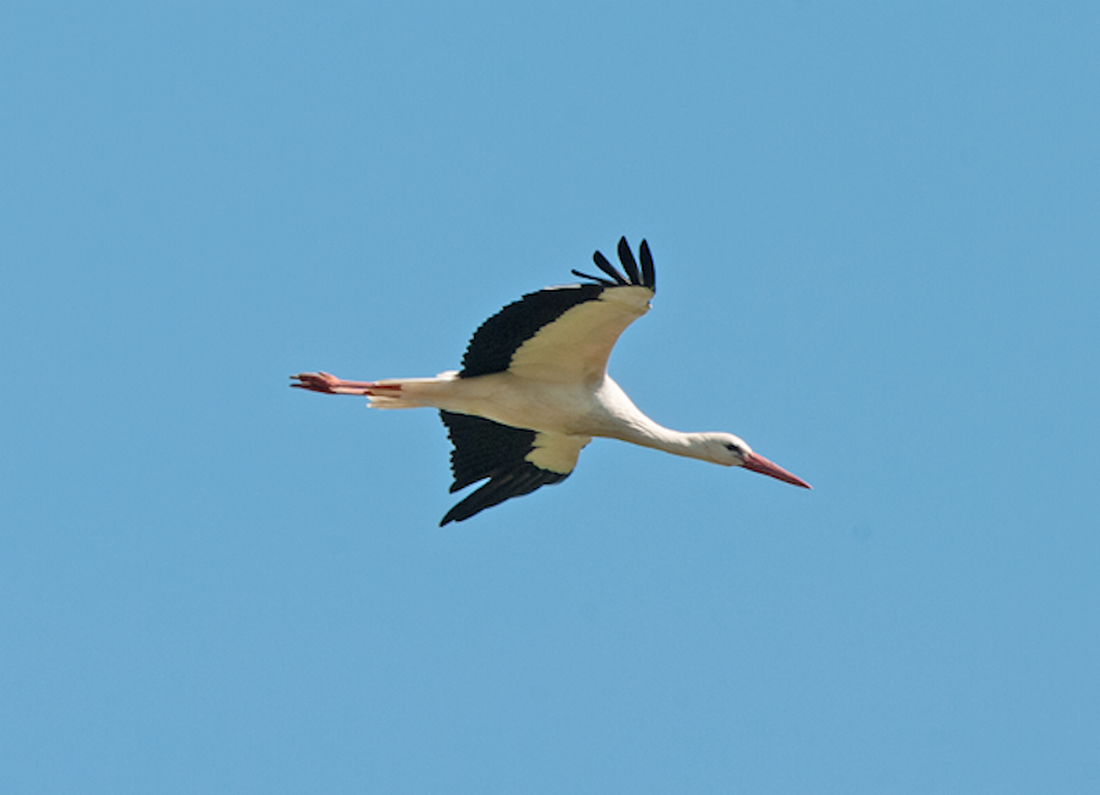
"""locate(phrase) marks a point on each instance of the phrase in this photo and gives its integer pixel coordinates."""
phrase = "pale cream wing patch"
(575, 347)
(556, 452)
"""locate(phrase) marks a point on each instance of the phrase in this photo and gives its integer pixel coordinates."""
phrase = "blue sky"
(877, 237)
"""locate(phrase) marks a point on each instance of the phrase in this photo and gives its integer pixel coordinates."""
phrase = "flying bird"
(534, 390)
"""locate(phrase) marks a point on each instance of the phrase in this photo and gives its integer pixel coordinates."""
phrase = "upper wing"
(516, 461)
(565, 334)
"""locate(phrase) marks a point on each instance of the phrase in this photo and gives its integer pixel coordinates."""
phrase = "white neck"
(650, 434)
(629, 424)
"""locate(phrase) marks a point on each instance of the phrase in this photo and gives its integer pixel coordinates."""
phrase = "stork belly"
(522, 403)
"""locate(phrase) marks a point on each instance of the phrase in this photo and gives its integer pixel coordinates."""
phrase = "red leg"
(330, 384)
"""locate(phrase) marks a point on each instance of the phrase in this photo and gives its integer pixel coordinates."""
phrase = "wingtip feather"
(630, 265)
(649, 274)
(604, 265)
(645, 276)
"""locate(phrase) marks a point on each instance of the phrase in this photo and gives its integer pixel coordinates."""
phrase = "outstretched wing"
(515, 461)
(565, 334)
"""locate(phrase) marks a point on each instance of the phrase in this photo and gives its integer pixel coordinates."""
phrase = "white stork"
(533, 391)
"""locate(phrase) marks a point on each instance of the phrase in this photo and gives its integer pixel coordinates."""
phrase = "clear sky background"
(877, 237)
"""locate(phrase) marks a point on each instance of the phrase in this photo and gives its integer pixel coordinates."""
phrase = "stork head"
(730, 450)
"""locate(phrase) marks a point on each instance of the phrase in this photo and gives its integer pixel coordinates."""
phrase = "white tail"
(400, 393)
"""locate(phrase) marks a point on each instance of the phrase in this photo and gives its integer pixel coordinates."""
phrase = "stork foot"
(330, 384)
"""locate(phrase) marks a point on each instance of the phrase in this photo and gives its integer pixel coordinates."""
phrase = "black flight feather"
(597, 279)
(649, 275)
(626, 257)
(606, 267)
(487, 449)
(644, 279)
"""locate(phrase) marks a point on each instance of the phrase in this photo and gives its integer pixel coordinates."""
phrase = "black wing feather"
(597, 279)
(603, 264)
(646, 278)
(487, 449)
(500, 488)
(626, 257)
(649, 275)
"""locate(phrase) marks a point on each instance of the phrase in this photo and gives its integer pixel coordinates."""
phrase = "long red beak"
(757, 463)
